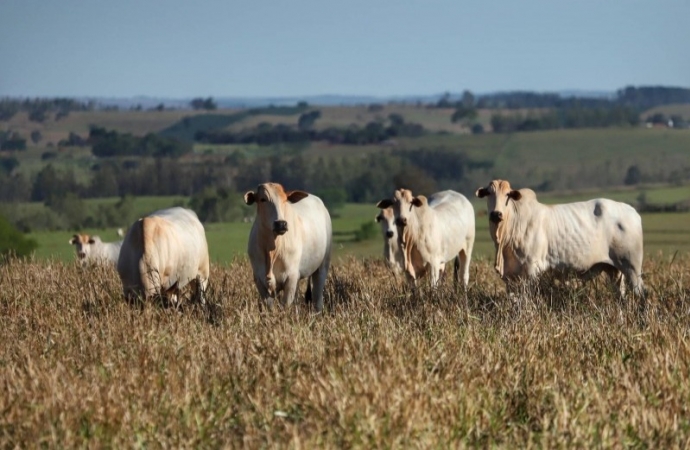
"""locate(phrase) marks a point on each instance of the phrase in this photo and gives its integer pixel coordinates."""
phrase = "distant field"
(670, 110)
(667, 233)
(563, 159)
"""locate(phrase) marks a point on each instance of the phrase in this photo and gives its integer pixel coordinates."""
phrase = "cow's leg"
(202, 281)
(290, 289)
(266, 298)
(150, 279)
(198, 287)
(318, 281)
(464, 260)
(617, 278)
(634, 279)
(436, 272)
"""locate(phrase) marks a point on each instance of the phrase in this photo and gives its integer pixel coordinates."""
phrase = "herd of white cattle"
(166, 252)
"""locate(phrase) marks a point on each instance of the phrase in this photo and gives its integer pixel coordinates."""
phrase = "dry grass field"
(567, 366)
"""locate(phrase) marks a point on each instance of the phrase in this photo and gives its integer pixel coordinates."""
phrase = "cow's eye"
(262, 200)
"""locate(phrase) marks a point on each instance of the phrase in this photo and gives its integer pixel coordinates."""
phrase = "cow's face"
(271, 199)
(402, 204)
(82, 244)
(498, 193)
(386, 219)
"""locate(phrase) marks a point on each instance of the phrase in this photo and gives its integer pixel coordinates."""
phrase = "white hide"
(278, 260)
(437, 230)
(584, 237)
(162, 253)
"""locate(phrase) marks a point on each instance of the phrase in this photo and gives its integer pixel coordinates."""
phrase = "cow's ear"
(92, 239)
(295, 196)
(73, 240)
(419, 200)
(385, 203)
(378, 218)
(515, 195)
(481, 192)
(249, 198)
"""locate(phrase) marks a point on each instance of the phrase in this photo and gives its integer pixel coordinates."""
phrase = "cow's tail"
(148, 264)
(456, 269)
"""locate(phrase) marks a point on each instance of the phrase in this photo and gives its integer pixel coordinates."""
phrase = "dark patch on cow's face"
(280, 227)
(496, 216)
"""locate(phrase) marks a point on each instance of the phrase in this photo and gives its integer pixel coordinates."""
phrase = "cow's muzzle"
(81, 255)
(496, 216)
(401, 221)
(280, 227)
(389, 234)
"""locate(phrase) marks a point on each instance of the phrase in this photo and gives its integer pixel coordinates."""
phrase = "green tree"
(464, 114)
(633, 176)
(306, 121)
(203, 103)
(8, 164)
(36, 136)
(333, 198)
(217, 205)
(13, 242)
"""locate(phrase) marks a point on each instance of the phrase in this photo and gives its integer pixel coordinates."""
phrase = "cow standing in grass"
(290, 240)
(584, 237)
(392, 252)
(90, 249)
(433, 231)
(163, 253)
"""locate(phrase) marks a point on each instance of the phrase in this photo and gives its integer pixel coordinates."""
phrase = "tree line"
(214, 184)
(638, 98)
(265, 134)
(572, 117)
(622, 109)
(40, 109)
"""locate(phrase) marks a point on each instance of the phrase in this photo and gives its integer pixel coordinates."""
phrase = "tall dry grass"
(382, 367)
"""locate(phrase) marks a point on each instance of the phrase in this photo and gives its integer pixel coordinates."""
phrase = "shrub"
(13, 242)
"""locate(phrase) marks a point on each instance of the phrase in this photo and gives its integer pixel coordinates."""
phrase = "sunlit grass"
(568, 366)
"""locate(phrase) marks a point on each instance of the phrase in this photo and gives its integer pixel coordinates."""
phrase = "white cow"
(92, 249)
(290, 240)
(584, 237)
(433, 231)
(162, 253)
(392, 252)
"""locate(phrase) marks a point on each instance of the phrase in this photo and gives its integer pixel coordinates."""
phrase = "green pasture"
(667, 233)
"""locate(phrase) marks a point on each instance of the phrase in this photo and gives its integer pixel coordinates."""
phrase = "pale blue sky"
(180, 48)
